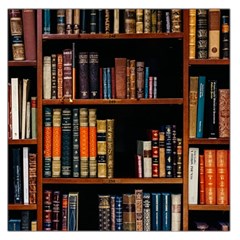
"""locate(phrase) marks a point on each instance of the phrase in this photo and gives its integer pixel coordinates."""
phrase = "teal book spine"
(146, 82)
(201, 104)
(156, 212)
(46, 21)
(166, 211)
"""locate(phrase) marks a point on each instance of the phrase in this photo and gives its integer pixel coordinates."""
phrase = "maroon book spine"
(47, 210)
(29, 33)
(138, 166)
(64, 212)
(100, 83)
(113, 82)
(83, 75)
(67, 73)
(120, 77)
(56, 211)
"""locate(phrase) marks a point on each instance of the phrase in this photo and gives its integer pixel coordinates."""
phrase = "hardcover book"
(14, 225)
(32, 178)
(130, 20)
(73, 202)
(201, 179)
(225, 32)
(47, 210)
(166, 211)
(118, 213)
(162, 155)
(93, 75)
(61, 21)
(156, 212)
(25, 175)
(47, 86)
(147, 21)
(34, 117)
(168, 151)
(76, 21)
(176, 200)
(14, 107)
(120, 76)
(67, 73)
(139, 20)
(56, 211)
(64, 215)
(104, 213)
(83, 75)
(192, 33)
(146, 211)
(46, 21)
(139, 209)
(25, 220)
(110, 147)
(59, 75)
(176, 20)
(129, 218)
(69, 21)
(54, 76)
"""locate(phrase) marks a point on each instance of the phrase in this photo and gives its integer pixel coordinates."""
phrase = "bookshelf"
(163, 52)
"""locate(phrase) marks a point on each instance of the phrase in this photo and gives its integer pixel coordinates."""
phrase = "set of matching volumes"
(60, 211)
(209, 176)
(209, 109)
(128, 78)
(208, 34)
(77, 144)
(75, 21)
(140, 211)
(160, 155)
(22, 110)
(24, 175)
(23, 34)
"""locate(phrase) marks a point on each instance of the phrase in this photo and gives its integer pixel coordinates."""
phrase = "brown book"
(130, 20)
(139, 209)
(222, 177)
(101, 82)
(29, 33)
(192, 33)
(147, 21)
(110, 148)
(64, 212)
(32, 178)
(113, 82)
(59, 75)
(210, 176)
(214, 33)
(67, 73)
(69, 19)
(201, 180)
(61, 16)
(129, 222)
(132, 79)
(140, 80)
(120, 76)
(176, 20)
(139, 20)
(224, 113)
(193, 100)
(162, 157)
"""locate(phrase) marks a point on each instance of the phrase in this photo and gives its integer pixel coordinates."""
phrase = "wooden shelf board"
(224, 141)
(209, 61)
(22, 206)
(178, 101)
(24, 63)
(111, 36)
(22, 142)
(209, 207)
(112, 181)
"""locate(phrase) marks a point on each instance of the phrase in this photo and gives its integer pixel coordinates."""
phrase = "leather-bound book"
(153, 20)
(130, 20)
(69, 21)
(147, 20)
(166, 211)
(176, 20)
(113, 216)
(192, 33)
(76, 21)
(34, 117)
(47, 85)
(73, 209)
(64, 215)
(156, 212)
(118, 213)
(146, 211)
(139, 20)
(56, 211)
(116, 21)
(94, 74)
(46, 21)
(140, 80)
(25, 220)
(179, 158)
(113, 82)
(29, 33)
(159, 21)
(225, 43)
(104, 213)
(168, 151)
(176, 202)
(54, 76)
(59, 75)
(174, 151)
(120, 76)
(100, 21)
(107, 21)
(83, 21)
(83, 75)
(47, 210)
(162, 155)
(110, 148)
(132, 79)
(67, 73)
(32, 178)
(139, 209)
(61, 21)
(93, 21)
(129, 218)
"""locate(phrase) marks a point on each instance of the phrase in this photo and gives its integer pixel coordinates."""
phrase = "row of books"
(23, 171)
(209, 176)
(160, 155)
(208, 34)
(77, 144)
(60, 211)
(75, 21)
(22, 110)
(209, 109)
(140, 211)
(26, 222)
(216, 226)
(23, 33)
(128, 78)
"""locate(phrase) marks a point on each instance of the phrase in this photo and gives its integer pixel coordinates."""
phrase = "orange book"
(228, 175)
(201, 180)
(222, 177)
(210, 176)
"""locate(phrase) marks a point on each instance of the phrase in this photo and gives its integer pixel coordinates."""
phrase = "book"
(104, 212)
(130, 20)
(139, 209)
(139, 79)
(83, 23)
(166, 211)
(154, 137)
(193, 103)
(156, 212)
(47, 86)
(14, 225)
(64, 215)
(193, 175)
(179, 158)
(14, 108)
(201, 179)
(116, 21)
(168, 151)
(32, 166)
(225, 33)
(59, 75)
(83, 75)
(176, 201)
(100, 21)
(159, 21)
(46, 21)
(153, 20)
(176, 20)
(110, 147)
(34, 225)
(67, 73)
(224, 113)
(34, 117)
(147, 20)
(25, 175)
(29, 33)
(132, 78)
(146, 211)
(54, 76)
(162, 155)
(76, 21)
(113, 216)
(129, 218)
(25, 220)
(200, 106)
(107, 21)
(9, 111)
(120, 77)
(73, 209)
(56, 211)
(118, 213)
(93, 75)
(61, 21)
(93, 21)
(167, 21)
(47, 210)
(214, 33)
(69, 21)
(192, 33)
(174, 151)
(139, 20)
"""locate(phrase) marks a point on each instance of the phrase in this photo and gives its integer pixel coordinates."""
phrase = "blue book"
(105, 92)
(156, 212)
(146, 82)
(166, 211)
(109, 85)
(100, 20)
(118, 213)
(83, 23)
(14, 225)
(46, 21)
(200, 107)
(73, 211)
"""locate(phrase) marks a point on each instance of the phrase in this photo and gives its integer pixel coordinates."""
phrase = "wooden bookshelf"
(19, 207)
(24, 63)
(22, 142)
(209, 62)
(216, 141)
(209, 207)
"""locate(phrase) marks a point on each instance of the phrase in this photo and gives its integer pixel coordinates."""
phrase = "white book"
(24, 107)
(25, 176)
(193, 174)
(176, 211)
(15, 106)
(28, 125)
(47, 84)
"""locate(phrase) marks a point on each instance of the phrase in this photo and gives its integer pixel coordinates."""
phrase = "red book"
(154, 137)
(222, 177)
(67, 73)
(210, 176)
(59, 75)
(100, 83)
(113, 82)
(201, 180)
(120, 77)
(29, 33)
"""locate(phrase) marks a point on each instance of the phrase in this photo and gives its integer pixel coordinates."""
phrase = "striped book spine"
(113, 215)
(139, 209)
(75, 143)
(102, 148)
(59, 75)
(92, 142)
(156, 211)
(166, 211)
(56, 142)
(32, 178)
(110, 147)
(54, 75)
(118, 213)
(66, 163)
(155, 152)
(47, 210)
(162, 155)
(47, 142)
(174, 151)
(104, 213)
(146, 211)
(84, 144)
(168, 150)
(179, 158)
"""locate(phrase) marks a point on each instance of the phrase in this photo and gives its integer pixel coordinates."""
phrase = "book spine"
(69, 21)
(201, 180)
(166, 214)
(162, 155)
(73, 71)
(14, 224)
(156, 212)
(75, 143)
(130, 21)
(129, 222)
(118, 213)
(25, 175)
(174, 151)
(84, 142)
(146, 83)
(176, 202)
(56, 142)
(28, 119)
(54, 76)
(107, 21)
(25, 220)
(46, 21)
(83, 22)
(47, 77)
(224, 113)
(147, 21)
(159, 21)
(61, 20)
(153, 20)
(201, 106)
(56, 211)
(34, 225)
(140, 79)
(120, 76)
(93, 21)
(47, 142)
(138, 166)
(34, 117)
(146, 211)
(113, 83)
(193, 175)
(66, 150)
(155, 152)
(167, 21)
(9, 111)
(47, 210)
(29, 33)
(214, 33)
(59, 76)
(105, 89)
(150, 87)
(225, 37)
(67, 73)
(113, 215)
(24, 106)
(76, 21)
(100, 21)
(73, 211)
(202, 33)
(64, 212)
(155, 80)
(179, 158)
(139, 209)
(92, 143)
(210, 176)
(32, 178)
(192, 33)
(168, 151)
(102, 148)
(132, 79)
(109, 83)
(83, 75)
(104, 213)
(100, 82)
(110, 147)
(128, 79)
(176, 20)
(94, 74)
(139, 20)
(116, 21)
